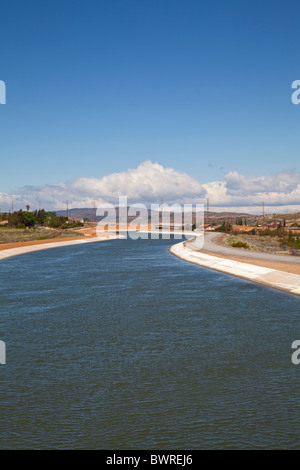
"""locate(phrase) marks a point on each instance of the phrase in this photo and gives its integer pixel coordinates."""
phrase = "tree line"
(28, 219)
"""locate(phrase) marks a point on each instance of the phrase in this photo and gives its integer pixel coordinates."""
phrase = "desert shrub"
(240, 244)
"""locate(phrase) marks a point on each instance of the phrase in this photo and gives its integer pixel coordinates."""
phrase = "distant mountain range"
(90, 213)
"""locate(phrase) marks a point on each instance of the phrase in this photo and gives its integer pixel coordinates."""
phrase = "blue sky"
(98, 87)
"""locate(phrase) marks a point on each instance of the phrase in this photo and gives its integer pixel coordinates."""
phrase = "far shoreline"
(20, 248)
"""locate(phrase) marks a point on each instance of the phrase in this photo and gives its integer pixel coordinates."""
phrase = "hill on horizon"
(90, 213)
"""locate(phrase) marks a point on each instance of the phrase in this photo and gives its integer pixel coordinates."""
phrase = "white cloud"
(278, 190)
(151, 182)
(148, 183)
(282, 182)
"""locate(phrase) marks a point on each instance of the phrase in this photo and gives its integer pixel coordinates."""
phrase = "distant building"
(274, 225)
(170, 226)
(77, 219)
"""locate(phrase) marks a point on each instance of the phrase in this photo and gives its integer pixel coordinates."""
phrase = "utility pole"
(161, 215)
(207, 211)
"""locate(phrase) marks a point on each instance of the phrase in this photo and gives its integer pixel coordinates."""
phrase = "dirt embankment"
(14, 238)
(257, 243)
(261, 244)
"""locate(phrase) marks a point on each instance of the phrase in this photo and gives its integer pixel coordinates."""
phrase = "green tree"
(57, 221)
(40, 216)
(28, 219)
(15, 219)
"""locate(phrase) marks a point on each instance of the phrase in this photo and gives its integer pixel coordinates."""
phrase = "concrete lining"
(46, 246)
(270, 277)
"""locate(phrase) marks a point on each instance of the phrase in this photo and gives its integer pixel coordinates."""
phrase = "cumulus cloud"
(150, 182)
(280, 189)
(282, 182)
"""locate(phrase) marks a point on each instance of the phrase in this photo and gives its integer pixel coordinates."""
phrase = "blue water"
(121, 345)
